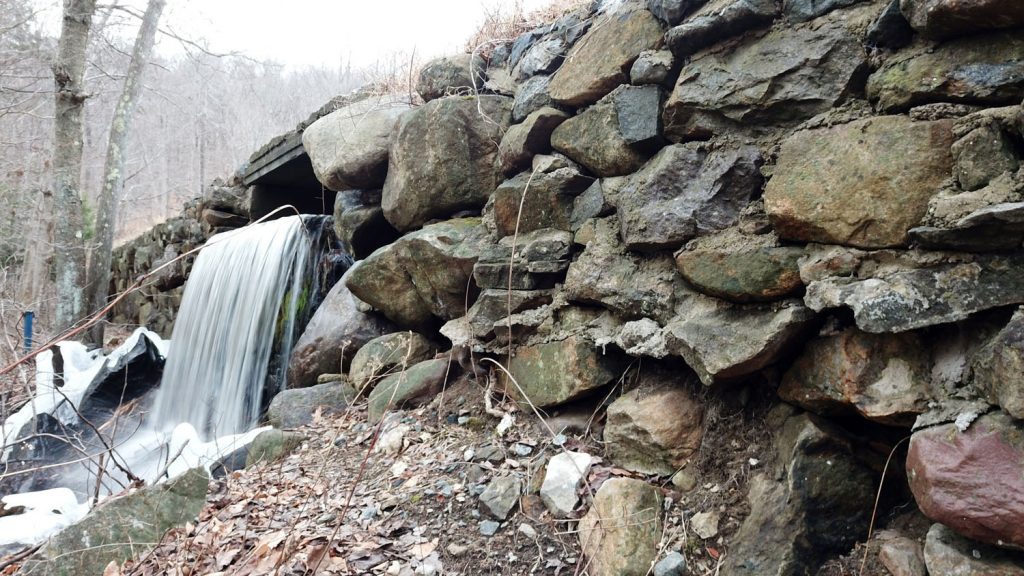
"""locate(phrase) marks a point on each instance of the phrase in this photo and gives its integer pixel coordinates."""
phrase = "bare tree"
(116, 164)
(68, 76)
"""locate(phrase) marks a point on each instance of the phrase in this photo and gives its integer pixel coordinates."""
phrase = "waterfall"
(229, 325)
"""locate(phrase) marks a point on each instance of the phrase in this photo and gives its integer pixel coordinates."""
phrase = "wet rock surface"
(336, 331)
(109, 538)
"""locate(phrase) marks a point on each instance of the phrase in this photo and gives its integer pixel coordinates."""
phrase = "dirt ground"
(404, 499)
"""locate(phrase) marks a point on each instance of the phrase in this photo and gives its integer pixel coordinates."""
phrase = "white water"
(225, 330)
(213, 383)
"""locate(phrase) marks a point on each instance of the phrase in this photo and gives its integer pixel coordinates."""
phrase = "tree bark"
(114, 167)
(68, 75)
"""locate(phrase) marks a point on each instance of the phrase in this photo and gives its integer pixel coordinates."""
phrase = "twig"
(874, 510)
(19, 556)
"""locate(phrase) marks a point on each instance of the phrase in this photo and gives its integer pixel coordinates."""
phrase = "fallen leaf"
(315, 556)
(421, 551)
(112, 569)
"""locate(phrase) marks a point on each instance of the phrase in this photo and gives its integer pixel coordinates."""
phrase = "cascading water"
(229, 324)
(249, 293)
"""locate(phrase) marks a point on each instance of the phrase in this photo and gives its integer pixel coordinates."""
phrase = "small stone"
(528, 531)
(902, 556)
(521, 449)
(501, 496)
(457, 549)
(705, 524)
(685, 480)
(562, 480)
(673, 564)
(652, 67)
(489, 527)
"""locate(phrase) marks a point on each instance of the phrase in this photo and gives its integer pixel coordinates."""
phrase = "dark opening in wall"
(280, 174)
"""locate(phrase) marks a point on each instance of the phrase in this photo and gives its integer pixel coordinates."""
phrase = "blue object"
(29, 316)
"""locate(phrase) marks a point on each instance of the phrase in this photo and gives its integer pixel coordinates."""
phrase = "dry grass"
(504, 21)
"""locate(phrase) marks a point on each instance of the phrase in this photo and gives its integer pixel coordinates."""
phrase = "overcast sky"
(325, 32)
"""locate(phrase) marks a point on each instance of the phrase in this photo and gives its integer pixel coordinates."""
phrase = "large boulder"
(984, 69)
(600, 60)
(705, 335)
(745, 275)
(814, 505)
(863, 184)
(451, 75)
(349, 147)
(382, 356)
(600, 137)
(444, 159)
(948, 553)
(901, 298)
(672, 11)
(621, 533)
(531, 96)
(535, 200)
(998, 368)
(423, 277)
(412, 387)
(633, 286)
(359, 222)
(685, 191)
(882, 377)
(554, 373)
(969, 479)
(531, 137)
(719, 20)
(121, 528)
(948, 18)
(337, 329)
(656, 427)
(296, 407)
(789, 75)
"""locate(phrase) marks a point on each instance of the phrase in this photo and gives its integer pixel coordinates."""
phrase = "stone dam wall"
(765, 241)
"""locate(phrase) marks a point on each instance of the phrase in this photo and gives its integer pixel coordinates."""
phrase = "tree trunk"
(113, 172)
(68, 76)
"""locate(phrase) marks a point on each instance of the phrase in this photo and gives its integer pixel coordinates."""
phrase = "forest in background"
(199, 117)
